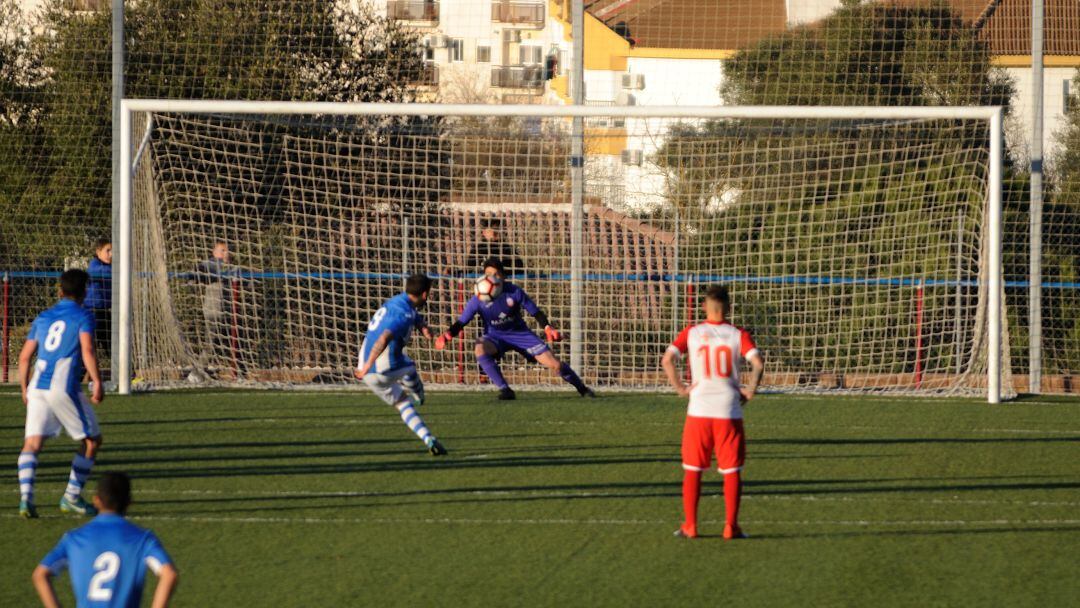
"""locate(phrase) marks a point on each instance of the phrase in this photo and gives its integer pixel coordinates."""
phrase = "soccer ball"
(488, 288)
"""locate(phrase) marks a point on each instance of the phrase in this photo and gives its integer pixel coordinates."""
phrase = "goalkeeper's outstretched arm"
(471, 308)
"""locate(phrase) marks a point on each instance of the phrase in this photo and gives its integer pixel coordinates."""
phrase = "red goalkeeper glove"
(443, 340)
(552, 334)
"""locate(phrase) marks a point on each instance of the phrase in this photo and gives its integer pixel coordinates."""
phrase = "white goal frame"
(128, 159)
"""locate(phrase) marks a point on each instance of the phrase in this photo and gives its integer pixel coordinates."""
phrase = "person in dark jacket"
(99, 296)
(492, 244)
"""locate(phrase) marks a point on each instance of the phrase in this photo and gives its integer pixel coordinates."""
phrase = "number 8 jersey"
(716, 352)
(59, 356)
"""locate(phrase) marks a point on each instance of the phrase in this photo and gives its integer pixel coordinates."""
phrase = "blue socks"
(491, 368)
(568, 374)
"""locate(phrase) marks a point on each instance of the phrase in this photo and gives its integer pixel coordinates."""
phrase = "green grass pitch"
(326, 499)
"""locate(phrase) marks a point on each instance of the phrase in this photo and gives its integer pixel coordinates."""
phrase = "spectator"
(493, 245)
(99, 296)
(219, 276)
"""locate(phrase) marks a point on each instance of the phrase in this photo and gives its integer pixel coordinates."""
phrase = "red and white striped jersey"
(716, 352)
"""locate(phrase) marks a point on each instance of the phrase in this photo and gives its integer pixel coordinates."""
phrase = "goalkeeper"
(505, 330)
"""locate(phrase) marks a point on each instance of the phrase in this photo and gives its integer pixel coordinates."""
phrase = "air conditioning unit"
(625, 99)
(631, 157)
(438, 41)
(634, 82)
(511, 36)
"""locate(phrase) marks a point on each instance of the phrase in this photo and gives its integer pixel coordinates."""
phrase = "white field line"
(862, 523)
(255, 495)
(391, 421)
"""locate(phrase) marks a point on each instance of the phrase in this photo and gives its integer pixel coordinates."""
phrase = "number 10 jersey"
(716, 352)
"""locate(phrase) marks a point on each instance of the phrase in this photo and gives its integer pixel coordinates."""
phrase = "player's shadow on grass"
(916, 531)
(888, 486)
(474, 495)
(911, 440)
(381, 466)
(292, 447)
(262, 416)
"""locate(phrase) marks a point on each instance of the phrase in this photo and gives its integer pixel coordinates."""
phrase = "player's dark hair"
(491, 223)
(101, 242)
(73, 283)
(495, 263)
(417, 284)
(719, 294)
(114, 491)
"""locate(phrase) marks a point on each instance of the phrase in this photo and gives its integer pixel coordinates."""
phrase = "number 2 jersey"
(716, 352)
(108, 559)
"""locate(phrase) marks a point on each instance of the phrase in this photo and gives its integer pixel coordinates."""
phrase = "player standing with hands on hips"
(714, 415)
(108, 557)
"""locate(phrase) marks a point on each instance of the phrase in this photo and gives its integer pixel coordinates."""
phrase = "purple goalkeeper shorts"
(524, 342)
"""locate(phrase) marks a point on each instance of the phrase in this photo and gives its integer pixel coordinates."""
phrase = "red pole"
(234, 333)
(918, 332)
(689, 315)
(461, 343)
(7, 328)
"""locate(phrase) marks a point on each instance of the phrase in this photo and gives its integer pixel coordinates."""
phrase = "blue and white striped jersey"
(399, 317)
(59, 363)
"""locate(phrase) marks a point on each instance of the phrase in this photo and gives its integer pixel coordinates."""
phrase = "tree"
(1061, 248)
(55, 87)
(761, 182)
(56, 114)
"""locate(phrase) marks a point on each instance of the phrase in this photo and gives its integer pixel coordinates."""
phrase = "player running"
(714, 415)
(505, 329)
(108, 557)
(383, 365)
(63, 338)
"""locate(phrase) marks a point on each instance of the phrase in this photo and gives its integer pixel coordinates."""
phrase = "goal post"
(829, 224)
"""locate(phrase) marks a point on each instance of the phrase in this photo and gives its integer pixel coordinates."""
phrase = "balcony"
(518, 13)
(427, 77)
(518, 76)
(413, 10)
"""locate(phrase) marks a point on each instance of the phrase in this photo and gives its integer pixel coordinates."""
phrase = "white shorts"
(49, 411)
(392, 385)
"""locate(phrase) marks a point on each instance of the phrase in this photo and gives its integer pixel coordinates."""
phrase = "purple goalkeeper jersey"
(503, 313)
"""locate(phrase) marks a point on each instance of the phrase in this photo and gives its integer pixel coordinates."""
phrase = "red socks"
(732, 493)
(691, 492)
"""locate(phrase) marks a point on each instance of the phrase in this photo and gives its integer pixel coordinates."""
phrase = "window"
(530, 55)
(1068, 101)
(457, 49)
(429, 54)
(483, 53)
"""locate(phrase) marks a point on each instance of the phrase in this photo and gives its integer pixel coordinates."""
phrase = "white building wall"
(1019, 124)
(800, 12)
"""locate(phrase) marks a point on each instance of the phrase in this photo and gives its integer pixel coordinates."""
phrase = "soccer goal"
(862, 246)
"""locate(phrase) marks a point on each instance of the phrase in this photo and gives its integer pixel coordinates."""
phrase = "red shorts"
(701, 436)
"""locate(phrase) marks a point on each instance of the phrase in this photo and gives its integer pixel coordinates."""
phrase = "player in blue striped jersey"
(63, 338)
(108, 558)
(383, 364)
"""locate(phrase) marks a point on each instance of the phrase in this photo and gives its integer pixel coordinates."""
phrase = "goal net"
(857, 243)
